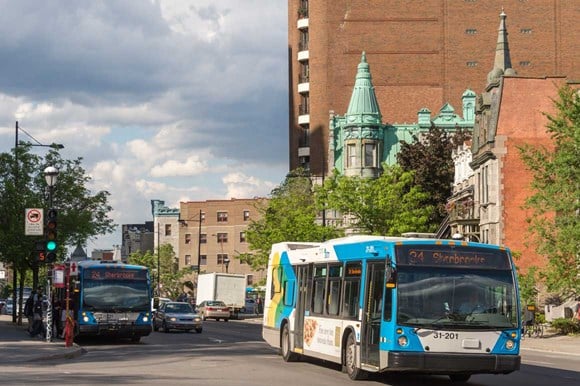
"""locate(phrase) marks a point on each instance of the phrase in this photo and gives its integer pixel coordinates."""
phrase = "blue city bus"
(112, 299)
(379, 304)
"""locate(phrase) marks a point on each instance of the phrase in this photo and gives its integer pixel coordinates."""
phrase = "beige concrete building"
(216, 242)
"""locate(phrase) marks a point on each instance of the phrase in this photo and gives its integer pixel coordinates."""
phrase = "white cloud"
(170, 100)
(172, 168)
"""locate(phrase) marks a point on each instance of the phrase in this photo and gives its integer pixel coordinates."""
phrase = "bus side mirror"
(390, 275)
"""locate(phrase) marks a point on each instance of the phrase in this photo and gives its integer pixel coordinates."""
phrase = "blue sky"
(164, 99)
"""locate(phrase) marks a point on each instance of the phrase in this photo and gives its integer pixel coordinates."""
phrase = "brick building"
(425, 53)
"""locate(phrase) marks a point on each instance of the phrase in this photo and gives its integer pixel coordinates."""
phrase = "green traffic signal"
(50, 245)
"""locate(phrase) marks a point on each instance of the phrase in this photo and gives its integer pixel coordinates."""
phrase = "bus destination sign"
(446, 256)
(117, 274)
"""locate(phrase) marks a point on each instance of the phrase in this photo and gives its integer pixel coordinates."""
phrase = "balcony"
(303, 87)
(302, 23)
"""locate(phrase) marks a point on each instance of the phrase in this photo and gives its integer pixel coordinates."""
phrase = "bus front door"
(302, 294)
(374, 285)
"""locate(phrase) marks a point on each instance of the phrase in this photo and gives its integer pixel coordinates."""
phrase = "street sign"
(34, 222)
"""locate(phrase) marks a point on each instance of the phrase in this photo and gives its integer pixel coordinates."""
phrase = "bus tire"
(459, 377)
(288, 355)
(350, 368)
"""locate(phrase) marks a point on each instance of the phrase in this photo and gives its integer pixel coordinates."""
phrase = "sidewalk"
(563, 344)
(16, 345)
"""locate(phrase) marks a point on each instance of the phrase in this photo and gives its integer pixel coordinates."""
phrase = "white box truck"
(230, 288)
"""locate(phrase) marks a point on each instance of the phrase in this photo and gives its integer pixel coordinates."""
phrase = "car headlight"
(172, 319)
(197, 319)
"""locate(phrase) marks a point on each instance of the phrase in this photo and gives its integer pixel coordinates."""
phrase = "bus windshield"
(456, 298)
(115, 295)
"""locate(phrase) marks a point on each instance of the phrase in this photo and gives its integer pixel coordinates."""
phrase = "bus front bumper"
(442, 363)
(115, 329)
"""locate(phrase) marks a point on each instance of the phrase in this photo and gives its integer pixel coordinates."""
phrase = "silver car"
(177, 316)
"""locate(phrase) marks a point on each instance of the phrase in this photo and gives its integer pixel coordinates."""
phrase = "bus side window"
(276, 281)
(289, 293)
(351, 289)
(319, 283)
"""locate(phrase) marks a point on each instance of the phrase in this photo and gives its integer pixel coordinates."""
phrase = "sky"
(177, 100)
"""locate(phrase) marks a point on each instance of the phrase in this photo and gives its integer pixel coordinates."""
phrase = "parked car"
(8, 307)
(177, 316)
(214, 309)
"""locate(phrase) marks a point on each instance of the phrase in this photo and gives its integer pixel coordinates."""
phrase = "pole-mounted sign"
(34, 222)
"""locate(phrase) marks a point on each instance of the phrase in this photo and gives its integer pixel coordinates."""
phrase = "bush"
(566, 326)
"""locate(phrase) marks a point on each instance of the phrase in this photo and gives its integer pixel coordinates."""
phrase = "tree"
(555, 201)
(170, 277)
(81, 214)
(389, 205)
(430, 157)
(289, 215)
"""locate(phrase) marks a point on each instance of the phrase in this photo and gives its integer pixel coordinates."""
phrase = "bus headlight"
(145, 319)
(403, 341)
(510, 344)
(85, 319)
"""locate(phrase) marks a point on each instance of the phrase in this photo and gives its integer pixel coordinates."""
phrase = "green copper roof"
(363, 107)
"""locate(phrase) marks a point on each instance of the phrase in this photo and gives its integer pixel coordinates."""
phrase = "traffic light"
(51, 243)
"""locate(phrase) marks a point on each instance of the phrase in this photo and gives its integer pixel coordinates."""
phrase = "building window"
(167, 229)
(221, 258)
(250, 279)
(202, 216)
(187, 260)
(222, 238)
(246, 215)
(304, 139)
(526, 31)
(525, 63)
(242, 237)
(352, 157)
(304, 72)
(471, 64)
(203, 238)
(370, 155)
(303, 43)
(304, 108)
(203, 259)
(222, 216)
(188, 238)
(471, 31)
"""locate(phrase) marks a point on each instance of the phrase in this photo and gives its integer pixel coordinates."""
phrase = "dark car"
(176, 316)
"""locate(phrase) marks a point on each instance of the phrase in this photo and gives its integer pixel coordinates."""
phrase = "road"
(233, 353)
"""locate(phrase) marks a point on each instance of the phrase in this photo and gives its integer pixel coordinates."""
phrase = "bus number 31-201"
(445, 335)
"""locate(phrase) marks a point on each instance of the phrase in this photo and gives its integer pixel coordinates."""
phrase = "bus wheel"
(459, 377)
(353, 372)
(288, 355)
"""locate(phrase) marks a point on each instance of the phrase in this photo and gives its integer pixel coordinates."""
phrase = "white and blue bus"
(378, 304)
(112, 299)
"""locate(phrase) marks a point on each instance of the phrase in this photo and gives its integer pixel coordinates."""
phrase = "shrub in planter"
(566, 326)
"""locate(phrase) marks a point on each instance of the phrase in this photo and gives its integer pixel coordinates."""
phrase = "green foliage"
(289, 215)
(170, 277)
(566, 326)
(81, 214)
(430, 157)
(555, 202)
(528, 286)
(389, 205)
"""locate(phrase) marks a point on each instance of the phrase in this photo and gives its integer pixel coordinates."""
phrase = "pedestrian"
(577, 314)
(28, 306)
(37, 325)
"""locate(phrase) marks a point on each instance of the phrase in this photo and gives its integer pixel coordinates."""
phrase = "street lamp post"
(51, 175)
(199, 220)
(58, 146)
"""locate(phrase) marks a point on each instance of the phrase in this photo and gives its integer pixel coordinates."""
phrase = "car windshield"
(182, 308)
(216, 303)
(456, 298)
